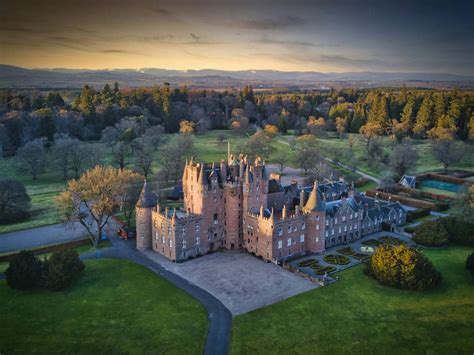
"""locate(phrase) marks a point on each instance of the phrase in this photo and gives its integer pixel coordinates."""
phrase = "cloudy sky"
(318, 35)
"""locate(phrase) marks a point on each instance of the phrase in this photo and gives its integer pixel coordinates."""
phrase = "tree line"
(419, 113)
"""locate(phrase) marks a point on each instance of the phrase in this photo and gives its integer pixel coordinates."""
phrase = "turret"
(146, 202)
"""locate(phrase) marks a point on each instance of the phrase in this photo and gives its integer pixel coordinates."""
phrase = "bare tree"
(154, 136)
(447, 152)
(143, 159)
(403, 158)
(31, 157)
(120, 152)
(281, 159)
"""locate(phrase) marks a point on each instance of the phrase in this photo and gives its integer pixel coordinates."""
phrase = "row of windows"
(290, 241)
(295, 228)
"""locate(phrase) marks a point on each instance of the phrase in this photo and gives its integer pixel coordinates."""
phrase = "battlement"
(176, 214)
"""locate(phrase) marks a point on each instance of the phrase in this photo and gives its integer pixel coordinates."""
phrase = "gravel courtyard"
(240, 281)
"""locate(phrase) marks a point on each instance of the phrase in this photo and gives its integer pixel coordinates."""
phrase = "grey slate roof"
(147, 198)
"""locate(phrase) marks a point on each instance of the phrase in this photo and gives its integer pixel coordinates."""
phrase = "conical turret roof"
(314, 202)
(147, 198)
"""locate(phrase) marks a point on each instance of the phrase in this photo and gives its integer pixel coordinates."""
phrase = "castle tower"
(255, 186)
(315, 211)
(146, 203)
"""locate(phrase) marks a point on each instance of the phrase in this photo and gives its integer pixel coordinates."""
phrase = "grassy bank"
(115, 307)
(356, 315)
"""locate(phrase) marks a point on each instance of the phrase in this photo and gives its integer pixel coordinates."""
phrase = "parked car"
(126, 233)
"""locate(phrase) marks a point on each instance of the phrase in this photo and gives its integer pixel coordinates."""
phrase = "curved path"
(367, 176)
(220, 318)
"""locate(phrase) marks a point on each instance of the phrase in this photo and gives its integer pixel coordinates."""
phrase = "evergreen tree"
(424, 121)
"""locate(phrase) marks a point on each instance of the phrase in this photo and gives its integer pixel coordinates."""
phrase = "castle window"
(303, 225)
(345, 228)
(317, 239)
(289, 242)
(356, 226)
(317, 226)
(295, 228)
(183, 230)
(327, 233)
(169, 229)
(335, 220)
(340, 229)
(317, 218)
(280, 231)
(289, 229)
(216, 220)
(171, 243)
(198, 240)
(156, 236)
(343, 218)
(197, 227)
(351, 216)
(327, 222)
(142, 235)
(162, 227)
(280, 244)
(356, 215)
(184, 243)
(302, 238)
(163, 239)
(332, 231)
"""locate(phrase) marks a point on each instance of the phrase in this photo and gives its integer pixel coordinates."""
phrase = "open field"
(115, 307)
(356, 315)
(335, 148)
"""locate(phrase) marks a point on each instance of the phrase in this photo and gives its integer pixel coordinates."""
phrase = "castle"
(236, 206)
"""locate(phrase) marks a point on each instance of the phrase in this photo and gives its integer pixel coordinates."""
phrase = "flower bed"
(337, 259)
(392, 240)
(372, 242)
(315, 266)
(361, 257)
(346, 251)
(324, 270)
(307, 263)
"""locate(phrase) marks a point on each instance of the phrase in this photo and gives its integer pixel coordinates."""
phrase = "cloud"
(280, 23)
(195, 37)
(115, 51)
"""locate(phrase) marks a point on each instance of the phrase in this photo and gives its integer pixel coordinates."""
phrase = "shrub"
(418, 213)
(459, 231)
(372, 242)
(14, 201)
(24, 271)
(61, 270)
(470, 264)
(402, 267)
(346, 251)
(431, 234)
(307, 263)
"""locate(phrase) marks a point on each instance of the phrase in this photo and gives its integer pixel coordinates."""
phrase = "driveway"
(239, 280)
(41, 236)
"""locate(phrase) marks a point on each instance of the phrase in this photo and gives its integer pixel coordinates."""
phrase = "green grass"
(357, 316)
(439, 191)
(369, 185)
(115, 307)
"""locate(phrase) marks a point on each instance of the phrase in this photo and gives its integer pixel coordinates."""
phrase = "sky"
(319, 35)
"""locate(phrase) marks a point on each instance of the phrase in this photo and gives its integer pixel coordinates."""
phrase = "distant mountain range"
(16, 77)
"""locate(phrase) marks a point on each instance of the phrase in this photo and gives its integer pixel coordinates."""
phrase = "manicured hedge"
(391, 240)
(346, 251)
(360, 256)
(337, 259)
(418, 213)
(306, 263)
(372, 242)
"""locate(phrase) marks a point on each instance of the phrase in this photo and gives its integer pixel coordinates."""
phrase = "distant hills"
(16, 77)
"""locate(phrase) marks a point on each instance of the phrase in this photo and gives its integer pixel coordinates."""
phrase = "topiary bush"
(431, 234)
(61, 270)
(470, 264)
(24, 271)
(14, 201)
(402, 267)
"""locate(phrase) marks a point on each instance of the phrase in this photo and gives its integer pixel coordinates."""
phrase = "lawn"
(116, 307)
(357, 316)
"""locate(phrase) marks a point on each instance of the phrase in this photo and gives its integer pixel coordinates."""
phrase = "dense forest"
(94, 114)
